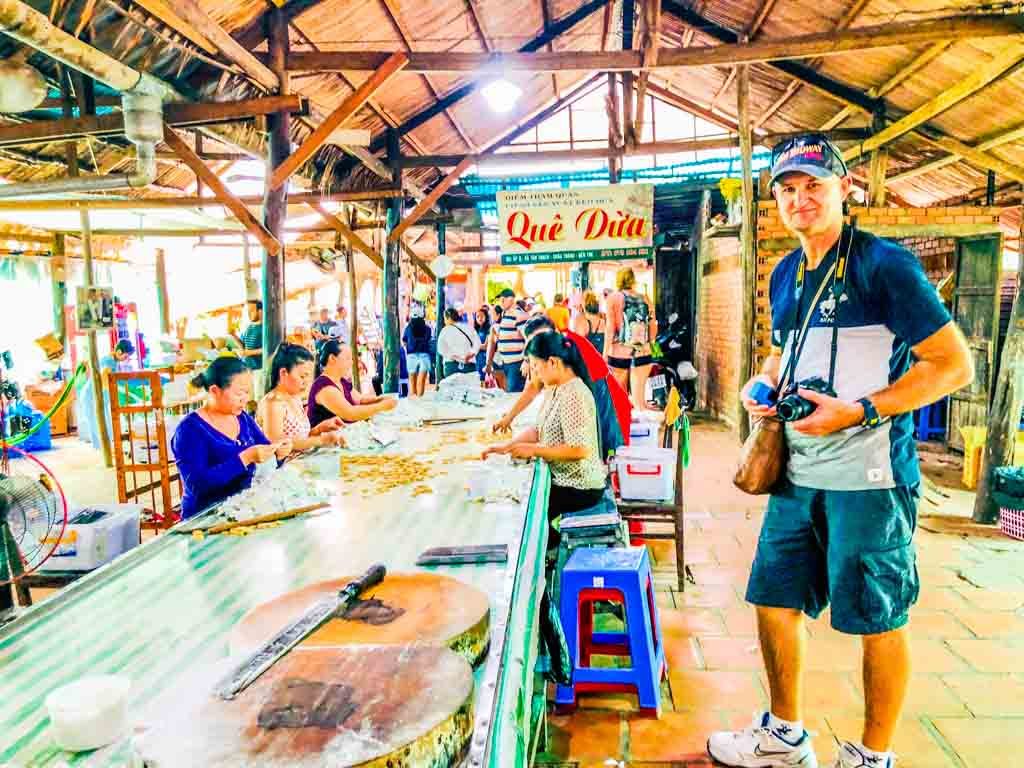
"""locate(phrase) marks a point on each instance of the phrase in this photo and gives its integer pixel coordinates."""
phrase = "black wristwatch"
(871, 418)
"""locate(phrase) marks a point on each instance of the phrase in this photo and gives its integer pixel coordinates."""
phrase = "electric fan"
(33, 511)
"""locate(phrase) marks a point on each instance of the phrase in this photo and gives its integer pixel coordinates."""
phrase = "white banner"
(579, 224)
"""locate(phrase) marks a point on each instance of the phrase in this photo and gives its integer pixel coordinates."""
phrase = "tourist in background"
(482, 326)
(252, 337)
(559, 313)
(631, 327)
(281, 413)
(457, 344)
(493, 363)
(322, 329)
(416, 338)
(510, 342)
(590, 321)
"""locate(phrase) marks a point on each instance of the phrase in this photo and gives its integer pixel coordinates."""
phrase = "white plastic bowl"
(89, 713)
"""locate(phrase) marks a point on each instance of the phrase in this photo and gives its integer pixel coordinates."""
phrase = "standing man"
(839, 527)
(252, 337)
(323, 330)
(511, 342)
(340, 328)
(559, 313)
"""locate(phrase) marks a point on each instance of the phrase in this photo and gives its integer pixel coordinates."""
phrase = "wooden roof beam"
(233, 51)
(224, 195)
(345, 231)
(417, 260)
(432, 197)
(919, 62)
(847, 19)
(1004, 137)
(811, 46)
(95, 203)
(976, 157)
(394, 64)
(176, 114)
(456, 95)
(403, 32)
(1008, 61)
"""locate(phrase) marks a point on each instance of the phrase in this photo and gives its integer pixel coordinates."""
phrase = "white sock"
(871, 757)
(790, 731)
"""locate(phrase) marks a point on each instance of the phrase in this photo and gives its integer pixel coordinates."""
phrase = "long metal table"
(165, 609)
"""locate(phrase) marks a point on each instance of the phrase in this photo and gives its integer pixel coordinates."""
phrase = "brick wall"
(937, 254)
(718, 334)
(929, 232)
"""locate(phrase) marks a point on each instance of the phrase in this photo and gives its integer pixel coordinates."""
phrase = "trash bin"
(1008, 493)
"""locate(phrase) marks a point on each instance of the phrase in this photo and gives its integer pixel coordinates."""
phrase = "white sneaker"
(762, 747)
(851, 757)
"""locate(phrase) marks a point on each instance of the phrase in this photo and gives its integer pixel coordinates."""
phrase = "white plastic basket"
(643, 433)
(646, 473)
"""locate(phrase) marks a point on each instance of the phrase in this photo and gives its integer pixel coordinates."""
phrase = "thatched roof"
(145, 34)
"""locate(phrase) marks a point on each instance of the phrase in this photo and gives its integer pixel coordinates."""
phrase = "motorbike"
(670, 368)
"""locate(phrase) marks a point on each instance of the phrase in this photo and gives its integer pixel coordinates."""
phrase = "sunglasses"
(817, 140)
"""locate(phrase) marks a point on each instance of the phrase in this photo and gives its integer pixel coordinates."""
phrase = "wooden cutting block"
(329, 707)
(422, 608)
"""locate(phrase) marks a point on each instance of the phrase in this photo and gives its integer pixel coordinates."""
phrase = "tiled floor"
(966, 702)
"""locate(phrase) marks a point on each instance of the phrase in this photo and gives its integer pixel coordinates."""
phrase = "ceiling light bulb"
(502, 95)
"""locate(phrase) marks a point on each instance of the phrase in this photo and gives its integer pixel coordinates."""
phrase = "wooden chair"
(663, 512)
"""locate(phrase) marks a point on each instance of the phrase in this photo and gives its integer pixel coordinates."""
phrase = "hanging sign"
(543, 226)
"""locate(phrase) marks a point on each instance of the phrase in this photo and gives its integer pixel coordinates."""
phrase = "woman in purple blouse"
(332, 394)
(218, 447)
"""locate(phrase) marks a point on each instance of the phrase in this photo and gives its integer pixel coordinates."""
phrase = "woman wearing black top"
(482, 326)
(417, 354)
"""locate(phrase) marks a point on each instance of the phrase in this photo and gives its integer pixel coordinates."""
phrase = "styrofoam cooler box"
(646, 473)
(643, 433)
(94, 536)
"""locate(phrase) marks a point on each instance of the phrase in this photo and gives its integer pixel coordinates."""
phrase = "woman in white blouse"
(457, 344)
(566, 435)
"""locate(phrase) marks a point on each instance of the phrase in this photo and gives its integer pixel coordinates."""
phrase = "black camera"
(793, 407)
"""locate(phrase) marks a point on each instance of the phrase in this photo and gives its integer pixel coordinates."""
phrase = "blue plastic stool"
(931, 420)
(618, 576)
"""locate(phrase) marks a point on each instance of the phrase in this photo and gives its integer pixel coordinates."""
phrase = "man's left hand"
(830, 414)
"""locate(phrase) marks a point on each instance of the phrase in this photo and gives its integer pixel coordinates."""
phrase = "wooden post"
(1004, 415)
(392, 268)
(59, 287)
(442, 247)
(161, 292)
(879, 163)
(275, 201)
(747, 259)
(628, 20)
(614, 130)
(353, 308)
(990, 188)
(95, 375)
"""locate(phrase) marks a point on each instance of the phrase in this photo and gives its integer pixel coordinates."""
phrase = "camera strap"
(836, 276)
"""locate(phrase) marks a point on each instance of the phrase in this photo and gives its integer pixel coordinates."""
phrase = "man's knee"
(772, 616)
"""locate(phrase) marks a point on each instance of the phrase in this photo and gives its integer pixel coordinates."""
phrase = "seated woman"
(333, 395)
(282, 411)
(566, 435)
(218, 447)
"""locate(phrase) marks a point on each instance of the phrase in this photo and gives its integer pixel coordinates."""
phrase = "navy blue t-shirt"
(887, 306)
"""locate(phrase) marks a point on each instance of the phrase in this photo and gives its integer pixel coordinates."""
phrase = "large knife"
(249, 670)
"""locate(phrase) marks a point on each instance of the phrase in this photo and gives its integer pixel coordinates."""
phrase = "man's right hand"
(754, 408)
